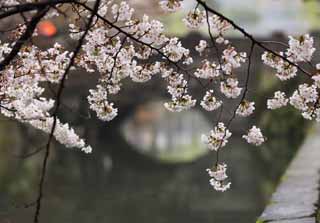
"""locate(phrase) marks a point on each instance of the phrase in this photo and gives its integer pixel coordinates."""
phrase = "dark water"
(147, 166)
(118, 184)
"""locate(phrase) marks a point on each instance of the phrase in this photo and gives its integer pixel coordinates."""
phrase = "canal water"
(150, 167)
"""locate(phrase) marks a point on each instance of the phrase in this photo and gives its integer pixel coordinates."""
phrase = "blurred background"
(148, 164)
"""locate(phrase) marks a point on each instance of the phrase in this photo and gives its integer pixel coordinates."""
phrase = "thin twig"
(57, 106)
(250, 37)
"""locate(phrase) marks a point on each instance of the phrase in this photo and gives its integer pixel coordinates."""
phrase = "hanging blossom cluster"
(22, 90)
(219, 177)
(120, 45)
(170, 5)
(218, 138)
(210, 102)
(306, 97)
(254, 136)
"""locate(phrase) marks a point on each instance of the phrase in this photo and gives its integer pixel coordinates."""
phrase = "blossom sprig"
(208, 70)
(210, 102)
(254, 136)
(170, 5)
(219, 25)
(279, 100)
(232, 59)
(219, 177)
(300, 49)
(98, 102)
(217, 138)
(306, 100)
(201, 46)
(245, 108)
(230, 88)
(195, 18)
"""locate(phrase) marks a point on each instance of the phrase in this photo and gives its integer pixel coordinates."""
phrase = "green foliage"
(311, 12)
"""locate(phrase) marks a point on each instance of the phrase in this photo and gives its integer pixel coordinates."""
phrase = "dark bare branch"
(57, 106)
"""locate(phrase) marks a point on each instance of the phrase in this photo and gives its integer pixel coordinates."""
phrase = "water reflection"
(164, 135)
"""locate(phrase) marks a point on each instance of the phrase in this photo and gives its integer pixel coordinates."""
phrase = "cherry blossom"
(175, 51)
(201, 46)
(209, 102)
(254, 136)
(208, 70)
(316, 79)
(219, 186)
(230, 88)
(245, 108)
(303, 96)
(170, 5)
(300, 49)
(98, 102)
(218, 25)
(279, 100)
(232, 59)
(218, 178)
(195, 19)
(217, 138)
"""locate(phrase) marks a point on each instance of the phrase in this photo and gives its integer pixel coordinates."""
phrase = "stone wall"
(296, 198)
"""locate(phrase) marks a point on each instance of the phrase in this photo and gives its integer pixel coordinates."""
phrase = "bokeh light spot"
(47, 28)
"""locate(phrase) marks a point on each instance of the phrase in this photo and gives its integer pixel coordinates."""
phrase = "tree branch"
(249, 36)
(57, 106)
(24, 37)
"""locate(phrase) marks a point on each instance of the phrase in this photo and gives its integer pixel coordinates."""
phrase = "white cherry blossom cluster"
(316, 78)
(232, 59)
(122, 12)
(279, 100)
(285, 71)
(210, 102)
(218, 177)
(170, 5)
(300, 49)
(22, 92)
(98, 103)
(305, 99)
(177, 87)
(230, 88)
(220, 27)
(175, 51)
(63, 133)
(245, 108)
(208, 70)
(9, 2)
(201, 46)
(217, 138)
(254, 136)
(195, 19)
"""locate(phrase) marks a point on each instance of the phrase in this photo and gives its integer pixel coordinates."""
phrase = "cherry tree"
(115, 43)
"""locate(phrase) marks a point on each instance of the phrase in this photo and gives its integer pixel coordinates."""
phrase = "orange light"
(46, 28)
